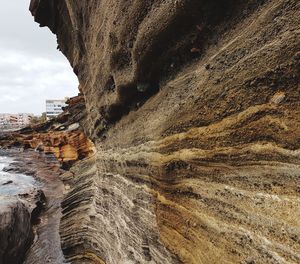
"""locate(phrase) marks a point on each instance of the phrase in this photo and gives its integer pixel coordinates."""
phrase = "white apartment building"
(54, 107)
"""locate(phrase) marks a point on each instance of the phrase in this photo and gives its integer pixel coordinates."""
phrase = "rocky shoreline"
(30, 221)
(15, 231)
(45, 152)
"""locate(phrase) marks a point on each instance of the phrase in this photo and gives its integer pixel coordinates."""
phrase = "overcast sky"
(31, 69)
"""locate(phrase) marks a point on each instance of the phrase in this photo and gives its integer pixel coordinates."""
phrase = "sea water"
(12, 184)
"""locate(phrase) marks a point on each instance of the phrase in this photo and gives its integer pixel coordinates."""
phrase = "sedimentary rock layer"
(62, 136)
(194, 110)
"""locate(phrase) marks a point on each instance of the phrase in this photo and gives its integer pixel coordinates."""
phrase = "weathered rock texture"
(29, 221)
(15, 230)
(61, 136)
(194, 110)
(46, 247)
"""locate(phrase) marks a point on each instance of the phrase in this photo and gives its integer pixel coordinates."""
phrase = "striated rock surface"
(194, 110)
(46, 247)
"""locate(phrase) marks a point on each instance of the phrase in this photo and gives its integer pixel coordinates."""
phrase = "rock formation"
(61, 136)
(15, 230)
(193, 107)
(30, 217)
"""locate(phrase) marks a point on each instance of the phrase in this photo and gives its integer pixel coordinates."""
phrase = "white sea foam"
(20, 183)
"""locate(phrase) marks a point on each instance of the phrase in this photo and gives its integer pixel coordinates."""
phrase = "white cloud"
(31, 69)
(9, 98)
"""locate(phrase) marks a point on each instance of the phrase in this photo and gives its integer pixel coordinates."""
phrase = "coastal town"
(11, 122)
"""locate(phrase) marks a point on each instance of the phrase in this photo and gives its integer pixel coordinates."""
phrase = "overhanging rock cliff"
(194, 110)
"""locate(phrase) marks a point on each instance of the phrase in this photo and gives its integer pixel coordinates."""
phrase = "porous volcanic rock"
(62, 136)
(194, 110)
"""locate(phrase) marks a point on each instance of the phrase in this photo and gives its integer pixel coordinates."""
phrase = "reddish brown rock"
(62, 136)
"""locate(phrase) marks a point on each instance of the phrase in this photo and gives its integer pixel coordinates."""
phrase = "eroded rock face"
(194, 110)
(62, 136)
(15, 230)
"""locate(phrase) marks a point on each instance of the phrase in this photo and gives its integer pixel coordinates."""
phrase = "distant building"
(14, 121)
(54, 107)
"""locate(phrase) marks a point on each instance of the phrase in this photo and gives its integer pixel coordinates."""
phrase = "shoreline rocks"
(15, 230)
(62, 136)
(32, 216)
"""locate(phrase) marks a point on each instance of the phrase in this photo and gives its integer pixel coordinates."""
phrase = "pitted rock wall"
(193, 107)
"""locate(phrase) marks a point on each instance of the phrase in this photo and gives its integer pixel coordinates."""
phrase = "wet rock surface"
(47, 247)
(30, 216)
(18, 198)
